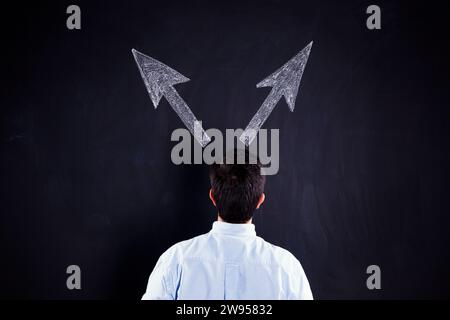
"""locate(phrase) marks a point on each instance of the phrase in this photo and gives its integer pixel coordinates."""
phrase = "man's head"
(236, 189)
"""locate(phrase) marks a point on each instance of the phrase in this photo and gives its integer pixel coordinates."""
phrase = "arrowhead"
(285, 81)
(156, 75)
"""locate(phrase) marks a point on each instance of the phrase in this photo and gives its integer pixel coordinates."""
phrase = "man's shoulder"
(279, 255)
(179, 249)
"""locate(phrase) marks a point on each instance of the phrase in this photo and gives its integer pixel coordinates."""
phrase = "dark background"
(86, 176)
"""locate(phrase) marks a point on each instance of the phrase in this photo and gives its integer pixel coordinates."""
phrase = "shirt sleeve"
(162, 281)
(299, 284)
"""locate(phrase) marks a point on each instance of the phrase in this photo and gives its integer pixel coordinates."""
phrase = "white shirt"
(229, 262)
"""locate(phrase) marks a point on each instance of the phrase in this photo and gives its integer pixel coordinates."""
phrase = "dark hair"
(236, 188)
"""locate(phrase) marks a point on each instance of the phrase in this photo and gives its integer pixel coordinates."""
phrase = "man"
(230, 261)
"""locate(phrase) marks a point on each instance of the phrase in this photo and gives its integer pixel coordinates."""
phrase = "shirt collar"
(234, 229)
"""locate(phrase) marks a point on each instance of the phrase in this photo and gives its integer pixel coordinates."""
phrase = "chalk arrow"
(159, 80)
(284, 82)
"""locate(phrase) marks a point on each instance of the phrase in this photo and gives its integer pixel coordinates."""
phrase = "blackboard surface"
(86, 176)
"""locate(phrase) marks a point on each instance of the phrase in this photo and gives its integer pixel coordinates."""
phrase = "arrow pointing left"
(159, 80)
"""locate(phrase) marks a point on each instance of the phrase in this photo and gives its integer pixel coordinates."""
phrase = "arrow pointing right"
(284, 82)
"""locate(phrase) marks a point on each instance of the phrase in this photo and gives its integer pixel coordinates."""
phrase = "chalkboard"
(87, 177)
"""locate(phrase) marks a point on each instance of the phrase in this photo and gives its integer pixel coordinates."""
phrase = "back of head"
(237, 188)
